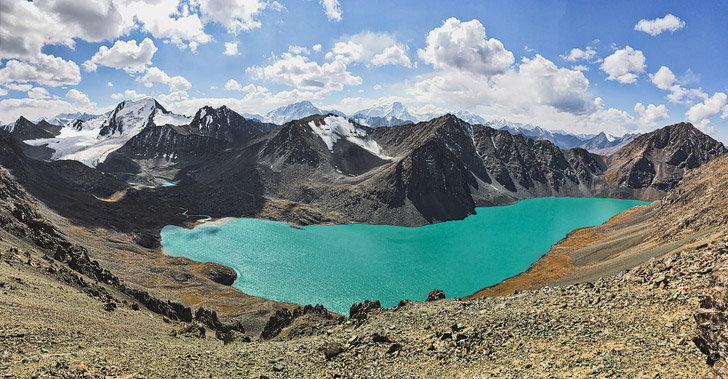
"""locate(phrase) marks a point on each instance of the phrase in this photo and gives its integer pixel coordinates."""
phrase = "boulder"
(332, 349)
(436, 295)
(219, 273)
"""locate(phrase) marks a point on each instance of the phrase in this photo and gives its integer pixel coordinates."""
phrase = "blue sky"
(639, 65)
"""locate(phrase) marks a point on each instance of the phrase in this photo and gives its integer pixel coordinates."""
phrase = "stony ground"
(638, 324)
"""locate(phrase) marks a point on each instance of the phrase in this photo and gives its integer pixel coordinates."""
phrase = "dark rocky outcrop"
(283, 318)
(277, 321)
(226, 125)
(435, 295)
(332, 349)
(359, 311)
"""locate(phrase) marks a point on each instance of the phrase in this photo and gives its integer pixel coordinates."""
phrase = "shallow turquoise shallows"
(337, 265)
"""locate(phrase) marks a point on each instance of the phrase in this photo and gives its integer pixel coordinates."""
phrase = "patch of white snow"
(335, 128)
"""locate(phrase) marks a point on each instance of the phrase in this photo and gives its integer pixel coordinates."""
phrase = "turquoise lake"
(337, 265)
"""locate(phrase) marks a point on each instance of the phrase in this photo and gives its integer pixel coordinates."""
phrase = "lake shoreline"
(489, 252)
(557, 263)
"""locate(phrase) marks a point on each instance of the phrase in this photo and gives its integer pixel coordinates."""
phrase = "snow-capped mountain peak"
(92, 140)
(131, 116)
(296, 111)
(395, 110)
(63, 119)
(470, 117)
(292, 112)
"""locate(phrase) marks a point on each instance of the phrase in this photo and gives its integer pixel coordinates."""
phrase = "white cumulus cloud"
(299, 50)
(45, 69)
(367, 47)
(233, 15)
(577, 54)
(126, 55)
(393, 55)
(231, 48)
(651, 115)
(464, 46)
(624, 65)
(19, 87)
(157, 75)
(233, 85)
(80, 99)
(332, 8)
(700, 113)
(28, 26)
(297, 71)
(32, 109)
(537, 83)
(167, 20)
(663, 78)
(38, 93)
(659, 25)
(128, 95)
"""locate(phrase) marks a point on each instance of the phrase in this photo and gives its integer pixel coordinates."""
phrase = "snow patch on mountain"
(81, 144)
(8, 127)
(170, 118)
(334, 128)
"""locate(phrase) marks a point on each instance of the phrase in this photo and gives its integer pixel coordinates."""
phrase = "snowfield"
(335, 128)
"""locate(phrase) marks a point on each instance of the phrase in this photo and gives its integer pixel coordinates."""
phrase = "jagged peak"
(22, 119)
(682, 134)
(449, 117)
(209, 111)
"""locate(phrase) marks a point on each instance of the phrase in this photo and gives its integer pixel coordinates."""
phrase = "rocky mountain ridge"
(24, 129)
(410, 174)
(436, 170)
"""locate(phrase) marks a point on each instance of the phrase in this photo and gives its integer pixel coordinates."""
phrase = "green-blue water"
(337, 265)
(168, 184)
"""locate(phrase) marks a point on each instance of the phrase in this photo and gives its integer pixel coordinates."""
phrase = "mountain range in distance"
(385, 115)
(340, 170)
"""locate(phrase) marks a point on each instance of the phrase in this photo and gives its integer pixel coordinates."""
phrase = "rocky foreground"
(637, 324)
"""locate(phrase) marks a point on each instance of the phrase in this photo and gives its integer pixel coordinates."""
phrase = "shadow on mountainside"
(93, 199)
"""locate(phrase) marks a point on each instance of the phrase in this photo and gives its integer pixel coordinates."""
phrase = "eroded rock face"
(168, 142)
